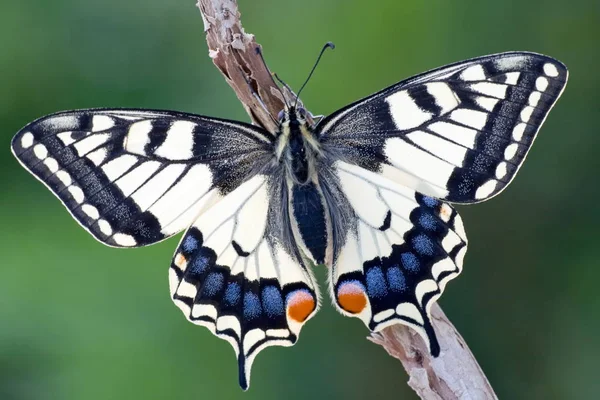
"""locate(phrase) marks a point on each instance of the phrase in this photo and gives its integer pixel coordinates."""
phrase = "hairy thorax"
(297, 149)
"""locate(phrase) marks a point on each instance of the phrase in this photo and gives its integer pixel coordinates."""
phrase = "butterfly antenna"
(328, 45)
(259, 52)
(282, 82)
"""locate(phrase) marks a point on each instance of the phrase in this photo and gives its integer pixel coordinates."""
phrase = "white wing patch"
(179, 142)
(432, 171)
(405, 112)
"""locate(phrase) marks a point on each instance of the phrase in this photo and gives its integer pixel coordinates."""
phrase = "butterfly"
(364, 191)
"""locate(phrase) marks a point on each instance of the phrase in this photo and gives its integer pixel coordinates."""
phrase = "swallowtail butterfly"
(365, 191)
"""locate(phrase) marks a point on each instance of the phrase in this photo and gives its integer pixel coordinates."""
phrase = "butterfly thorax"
(297, 147)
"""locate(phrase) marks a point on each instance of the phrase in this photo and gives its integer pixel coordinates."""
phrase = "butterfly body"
(365, 191)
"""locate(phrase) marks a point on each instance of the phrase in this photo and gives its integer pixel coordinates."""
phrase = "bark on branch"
(233, 52)
(455, 374)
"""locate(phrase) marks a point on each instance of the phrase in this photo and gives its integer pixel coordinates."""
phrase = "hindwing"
(238, 273)
(398, 255)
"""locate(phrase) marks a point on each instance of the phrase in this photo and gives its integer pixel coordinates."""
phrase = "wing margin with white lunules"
(135, 177)
(459, 132)
(398, 256)
(237, 273)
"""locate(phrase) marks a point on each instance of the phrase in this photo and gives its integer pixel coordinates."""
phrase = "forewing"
(459, 132)
(236, 273)
(135, 177)
(398, 255)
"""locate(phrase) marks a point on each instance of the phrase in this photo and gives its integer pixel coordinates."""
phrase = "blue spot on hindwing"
(272, 301)
(205, 258)
(232, 294)
(376, 286)
(410, 262)
(423, 245)
(252, 308)
(430, 201)
(428, 221)
(212, 284)
(190, 244)
(396, 279)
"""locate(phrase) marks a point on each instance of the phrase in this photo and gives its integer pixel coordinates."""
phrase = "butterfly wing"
(237, 272)
(458, 133)
(398, 254)
(135, 177)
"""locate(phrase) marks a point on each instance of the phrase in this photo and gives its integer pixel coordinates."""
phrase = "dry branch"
(233, 52)
(455, 374)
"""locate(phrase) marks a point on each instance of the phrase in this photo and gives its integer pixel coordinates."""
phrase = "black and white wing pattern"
(237, 274)
(135, 177)
(399, 253)
(458, 133)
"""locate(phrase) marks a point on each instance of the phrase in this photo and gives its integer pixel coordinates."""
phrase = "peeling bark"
(233, 51)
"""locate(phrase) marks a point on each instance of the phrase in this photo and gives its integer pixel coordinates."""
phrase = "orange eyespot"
(351, 297)
(300, 305)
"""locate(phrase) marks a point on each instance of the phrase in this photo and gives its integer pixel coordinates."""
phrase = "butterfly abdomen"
(310, 216)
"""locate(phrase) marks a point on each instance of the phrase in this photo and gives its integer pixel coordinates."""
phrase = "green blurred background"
(79, 320)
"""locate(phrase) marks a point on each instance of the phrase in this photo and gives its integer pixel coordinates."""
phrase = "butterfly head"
(293, 117)
(296, 123)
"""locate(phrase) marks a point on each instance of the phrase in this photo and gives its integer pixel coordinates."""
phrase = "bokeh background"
(79, 320)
